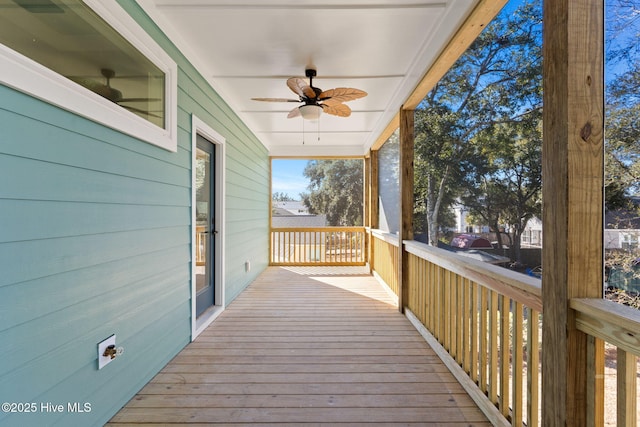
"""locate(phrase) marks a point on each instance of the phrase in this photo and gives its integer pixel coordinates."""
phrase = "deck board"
(306, 346)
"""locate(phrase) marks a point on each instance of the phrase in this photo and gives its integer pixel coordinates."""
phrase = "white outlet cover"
(102, 346)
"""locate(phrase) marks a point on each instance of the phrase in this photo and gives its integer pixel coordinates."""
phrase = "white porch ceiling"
(249, 48)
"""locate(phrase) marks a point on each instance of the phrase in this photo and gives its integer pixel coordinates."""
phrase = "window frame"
(28, 76)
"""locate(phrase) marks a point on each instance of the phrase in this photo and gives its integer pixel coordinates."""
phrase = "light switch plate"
(102, 346)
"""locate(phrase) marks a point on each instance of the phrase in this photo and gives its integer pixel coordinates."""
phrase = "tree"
(281, 197)
(335, 189)
(496, 82)
(622, 154)
(509, 170)
(622, 132)
(622, 32)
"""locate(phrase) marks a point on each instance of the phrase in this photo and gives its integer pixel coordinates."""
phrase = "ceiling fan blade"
(139, 100)
(341, 110)
(340, 94)
(137, 110)
(106, 91)
(300, 87)
(294, 113)
(276, 99)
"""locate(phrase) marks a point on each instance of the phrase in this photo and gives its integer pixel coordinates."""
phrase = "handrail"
(517, 286)
(483, 320)
(619, 325)
(612, 322)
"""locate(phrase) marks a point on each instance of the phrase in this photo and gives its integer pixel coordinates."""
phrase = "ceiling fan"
(315, 100)
(112, 94)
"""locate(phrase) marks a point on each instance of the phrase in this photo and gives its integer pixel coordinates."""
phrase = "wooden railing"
(330, 246)
(483, 320)
(485, 323)
(620, 326)
(385, 258)
(487, 319)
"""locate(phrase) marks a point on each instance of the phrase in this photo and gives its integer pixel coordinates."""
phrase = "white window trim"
(199, 324)
(28, 76)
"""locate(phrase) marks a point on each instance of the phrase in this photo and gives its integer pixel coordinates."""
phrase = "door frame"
(198, 324)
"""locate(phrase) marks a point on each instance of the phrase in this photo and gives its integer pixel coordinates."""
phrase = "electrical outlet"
(102, 346)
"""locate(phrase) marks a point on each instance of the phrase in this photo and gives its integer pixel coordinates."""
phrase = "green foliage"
(622, 148)
(471, 126)
(335, 189)
(622, 32)
(281, 197)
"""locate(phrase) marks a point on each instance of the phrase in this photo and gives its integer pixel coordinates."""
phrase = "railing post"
(406, 200)
(573, 162)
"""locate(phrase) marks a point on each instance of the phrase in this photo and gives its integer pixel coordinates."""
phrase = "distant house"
(295, 214)
(622, 229)
(293, 207)
(286, 221)
(532, 235)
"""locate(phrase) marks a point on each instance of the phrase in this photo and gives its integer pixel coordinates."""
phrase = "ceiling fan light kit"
(310, 111)
(315, 100)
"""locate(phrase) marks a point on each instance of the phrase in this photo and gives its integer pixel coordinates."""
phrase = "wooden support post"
(372, 202)
(366, 201)
(374, 192)
(366, 190)
(405, 231)
(573, 161)
(270, 249)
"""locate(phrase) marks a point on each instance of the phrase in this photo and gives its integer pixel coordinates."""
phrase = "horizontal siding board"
(167, 334)
(23, 219)
(73, 149)
(87, 384)
(69, 288)
(46, 371)
(29, 116)
(199, 97)
(33, 259)
(38, 180)
(93, 318)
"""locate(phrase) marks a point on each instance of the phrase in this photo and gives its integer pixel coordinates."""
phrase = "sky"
(287, 177)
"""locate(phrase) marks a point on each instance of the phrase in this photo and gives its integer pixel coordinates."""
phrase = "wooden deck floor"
(306, 346)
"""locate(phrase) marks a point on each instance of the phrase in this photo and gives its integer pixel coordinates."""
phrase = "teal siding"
(95, 239)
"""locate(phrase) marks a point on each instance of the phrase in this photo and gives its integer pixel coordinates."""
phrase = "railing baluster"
(505, 350)
(626, 389)
(475, 350)
(446, 314)
(493, 347)
(533, 370)
(517, 367)
(459, 319)
(466, 336)
(483, 338)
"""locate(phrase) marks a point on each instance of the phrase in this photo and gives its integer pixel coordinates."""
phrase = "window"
(92, 60)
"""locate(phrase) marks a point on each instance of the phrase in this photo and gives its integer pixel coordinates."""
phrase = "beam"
(573, 170)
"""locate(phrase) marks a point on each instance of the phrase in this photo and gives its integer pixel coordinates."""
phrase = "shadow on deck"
(306, 346)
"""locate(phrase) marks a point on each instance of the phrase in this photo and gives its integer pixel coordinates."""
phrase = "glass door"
(205, 224)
